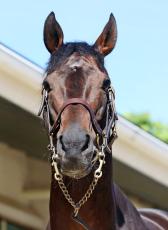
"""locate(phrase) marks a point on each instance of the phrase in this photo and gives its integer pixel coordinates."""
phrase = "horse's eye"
(106, 83)
(46, 86)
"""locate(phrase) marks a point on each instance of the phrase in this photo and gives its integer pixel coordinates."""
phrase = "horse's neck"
(98, 212)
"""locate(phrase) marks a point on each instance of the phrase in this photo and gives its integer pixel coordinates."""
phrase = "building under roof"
(140, 160)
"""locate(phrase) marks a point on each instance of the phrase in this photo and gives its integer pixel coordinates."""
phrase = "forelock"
(66, 50)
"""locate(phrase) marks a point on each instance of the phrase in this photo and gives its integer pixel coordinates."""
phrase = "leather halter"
(107, 135)
(111, 115)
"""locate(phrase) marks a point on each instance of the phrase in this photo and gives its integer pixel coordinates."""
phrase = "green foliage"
(144, 121)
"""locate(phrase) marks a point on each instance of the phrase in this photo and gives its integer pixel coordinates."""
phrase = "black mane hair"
(68, 49)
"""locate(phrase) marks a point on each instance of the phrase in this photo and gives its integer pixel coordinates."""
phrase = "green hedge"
(144, 121)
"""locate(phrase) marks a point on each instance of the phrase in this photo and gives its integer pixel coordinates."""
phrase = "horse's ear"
(53, 34)
(107, 39)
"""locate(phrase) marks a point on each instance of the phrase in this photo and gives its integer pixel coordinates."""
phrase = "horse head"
(76, 83)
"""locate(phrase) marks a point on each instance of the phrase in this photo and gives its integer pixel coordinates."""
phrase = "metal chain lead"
(59, 178)
(83, 200)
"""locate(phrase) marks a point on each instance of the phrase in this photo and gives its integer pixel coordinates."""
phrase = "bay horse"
(79, 113)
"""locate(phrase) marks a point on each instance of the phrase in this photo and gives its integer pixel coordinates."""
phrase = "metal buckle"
(43, 101)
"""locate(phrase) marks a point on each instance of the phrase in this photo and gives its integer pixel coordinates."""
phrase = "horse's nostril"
(86, 145)
(74, 143)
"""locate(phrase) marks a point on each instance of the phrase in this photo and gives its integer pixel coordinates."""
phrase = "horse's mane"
(68, 49)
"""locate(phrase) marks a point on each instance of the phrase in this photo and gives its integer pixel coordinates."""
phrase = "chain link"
(83, 200)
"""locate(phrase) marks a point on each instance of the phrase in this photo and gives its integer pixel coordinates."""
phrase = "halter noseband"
(106, 137)
(111, 115)
(77, 101)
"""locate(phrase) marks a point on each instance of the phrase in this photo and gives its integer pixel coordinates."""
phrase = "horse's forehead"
(77, 60)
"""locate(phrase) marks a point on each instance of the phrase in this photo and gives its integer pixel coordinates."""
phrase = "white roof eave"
(147, 154)
(20, 80)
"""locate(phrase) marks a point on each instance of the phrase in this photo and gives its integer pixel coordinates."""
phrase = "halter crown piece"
(106, 137)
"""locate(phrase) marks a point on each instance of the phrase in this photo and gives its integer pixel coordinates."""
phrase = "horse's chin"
(77, 174)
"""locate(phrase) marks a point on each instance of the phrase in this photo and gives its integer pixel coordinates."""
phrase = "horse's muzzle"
(75, 151)
(75, 167)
